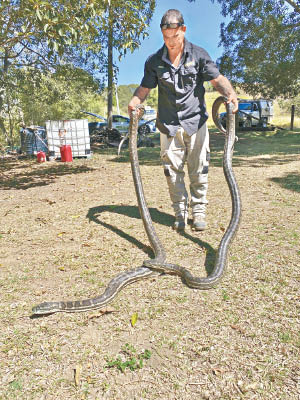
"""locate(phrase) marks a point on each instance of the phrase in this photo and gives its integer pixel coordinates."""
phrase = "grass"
(129, 358)
(66, 230)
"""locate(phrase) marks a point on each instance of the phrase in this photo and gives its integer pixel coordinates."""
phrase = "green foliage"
(284, 337)
(56, 23)
(125, 93)
(129, 359)
(152, 99)
(209, 87)
(40, 96)
(15, 385)
(36, 36)
(225, 295)
(41, 32)
(59, 95)
(286, 104)
(129, 21)
(47, 35)
(262, 46)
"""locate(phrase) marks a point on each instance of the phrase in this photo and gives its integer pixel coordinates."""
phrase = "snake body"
(159, 264)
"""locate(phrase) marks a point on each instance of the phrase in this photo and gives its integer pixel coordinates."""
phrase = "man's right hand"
(134, 102)
(139, 96)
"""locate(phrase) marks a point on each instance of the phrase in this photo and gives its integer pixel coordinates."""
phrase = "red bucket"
(41, 156)
(66, 153)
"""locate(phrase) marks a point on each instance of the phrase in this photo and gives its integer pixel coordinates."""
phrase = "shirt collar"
(187, 47)
(186, 51)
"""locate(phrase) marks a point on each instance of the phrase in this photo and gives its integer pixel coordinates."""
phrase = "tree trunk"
(292, 117)
(2, 94)
(110, 70)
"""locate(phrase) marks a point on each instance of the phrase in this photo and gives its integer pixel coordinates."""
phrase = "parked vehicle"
(252, 113)
(120, 126)
(149, 114)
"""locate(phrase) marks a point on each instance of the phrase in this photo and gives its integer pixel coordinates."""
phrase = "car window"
(119, 118)
(245, 106)
(265, 104)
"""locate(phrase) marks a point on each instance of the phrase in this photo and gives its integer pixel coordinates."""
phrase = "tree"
(124, 23)
(43, 95)
(44, 34)
(262, 46)
(43, 27)
(38, 34)
(62, 94)
(286, 104)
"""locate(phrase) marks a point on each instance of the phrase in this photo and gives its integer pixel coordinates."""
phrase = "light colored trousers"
(175, 150)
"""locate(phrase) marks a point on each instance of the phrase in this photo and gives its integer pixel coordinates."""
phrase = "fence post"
(292, 117)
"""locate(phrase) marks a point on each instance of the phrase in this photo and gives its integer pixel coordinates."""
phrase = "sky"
(202, 18)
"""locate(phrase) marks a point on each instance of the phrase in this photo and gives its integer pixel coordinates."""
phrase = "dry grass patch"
(66, 230)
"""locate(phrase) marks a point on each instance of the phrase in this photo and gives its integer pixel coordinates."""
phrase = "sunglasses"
(173, 25)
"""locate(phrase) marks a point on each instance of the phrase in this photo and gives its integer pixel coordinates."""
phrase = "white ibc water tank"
(73, 132)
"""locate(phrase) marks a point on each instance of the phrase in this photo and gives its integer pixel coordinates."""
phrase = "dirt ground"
(68, 228)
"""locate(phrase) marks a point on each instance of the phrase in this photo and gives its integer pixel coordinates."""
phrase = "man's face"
(174, 38)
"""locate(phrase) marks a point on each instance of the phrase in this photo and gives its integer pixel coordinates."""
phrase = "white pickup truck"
(252, 113)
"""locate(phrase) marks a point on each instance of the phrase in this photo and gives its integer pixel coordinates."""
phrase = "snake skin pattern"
(159, 264)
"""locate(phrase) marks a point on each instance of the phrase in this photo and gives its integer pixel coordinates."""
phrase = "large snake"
(158, 264)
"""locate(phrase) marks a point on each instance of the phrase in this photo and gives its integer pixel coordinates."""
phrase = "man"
(179, 69)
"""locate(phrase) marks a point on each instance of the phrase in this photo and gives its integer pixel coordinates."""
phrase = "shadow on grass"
(25, 174)
(270, 148)
(257, 149)
(157, 217)
(147, 155)
(253, 149)
(290, 181)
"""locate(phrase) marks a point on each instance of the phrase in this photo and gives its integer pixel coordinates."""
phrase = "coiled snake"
(158, 264)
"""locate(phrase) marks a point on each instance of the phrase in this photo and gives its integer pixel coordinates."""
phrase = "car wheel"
(143, 136)
(113, 137)
(144, 130)
(264, 122)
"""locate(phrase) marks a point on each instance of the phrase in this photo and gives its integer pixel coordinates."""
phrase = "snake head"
(138, 111)
(45, 308)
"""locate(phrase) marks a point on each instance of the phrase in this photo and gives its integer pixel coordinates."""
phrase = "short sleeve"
(209, 69)
(150, 76)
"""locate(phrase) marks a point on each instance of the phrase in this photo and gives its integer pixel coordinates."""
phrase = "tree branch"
(294, 5)
(47, 62)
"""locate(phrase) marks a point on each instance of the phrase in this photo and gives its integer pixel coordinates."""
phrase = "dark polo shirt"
(180, 90)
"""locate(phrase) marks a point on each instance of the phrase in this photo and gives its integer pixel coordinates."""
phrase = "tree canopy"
(43, 36)
(36, 36)
(45, 33)
(262, 46)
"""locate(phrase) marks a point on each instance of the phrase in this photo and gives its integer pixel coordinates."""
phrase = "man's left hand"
(233, 99)
(223, 86)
